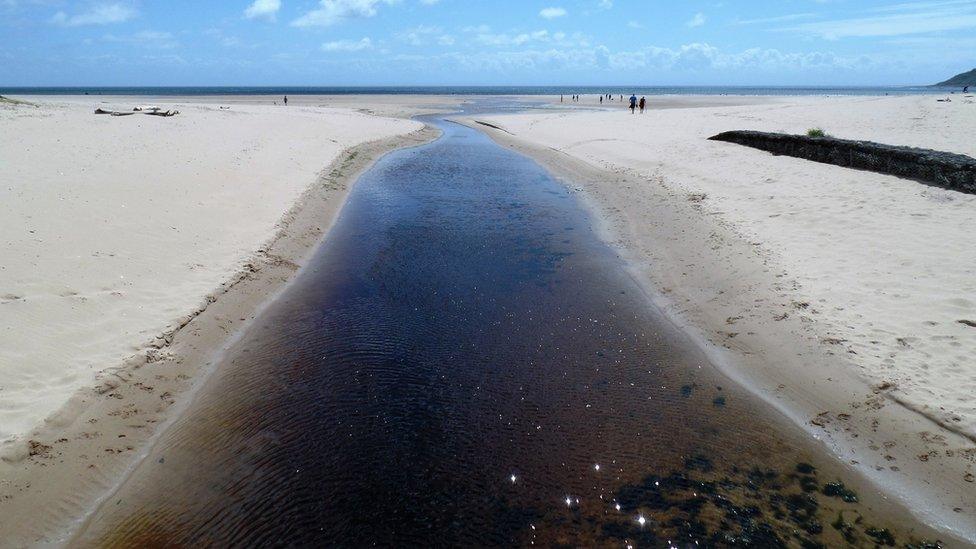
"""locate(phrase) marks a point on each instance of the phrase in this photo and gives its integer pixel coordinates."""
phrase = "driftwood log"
(154, 112)
(113, 113)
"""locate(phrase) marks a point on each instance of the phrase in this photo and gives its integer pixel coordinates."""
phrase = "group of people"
(609, 97)
(635, 103)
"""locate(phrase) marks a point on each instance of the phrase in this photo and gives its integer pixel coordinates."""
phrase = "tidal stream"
(465, 363)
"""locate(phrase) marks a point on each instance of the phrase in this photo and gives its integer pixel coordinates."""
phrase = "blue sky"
(498, 42)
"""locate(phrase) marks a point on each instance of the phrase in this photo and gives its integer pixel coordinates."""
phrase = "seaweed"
(838, 490)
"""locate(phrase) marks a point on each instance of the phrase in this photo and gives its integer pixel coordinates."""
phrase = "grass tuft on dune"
(9, 101)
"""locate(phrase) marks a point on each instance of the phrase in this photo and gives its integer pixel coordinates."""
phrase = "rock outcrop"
(942, 169)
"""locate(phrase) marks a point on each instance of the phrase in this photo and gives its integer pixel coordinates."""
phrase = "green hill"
(964, 79)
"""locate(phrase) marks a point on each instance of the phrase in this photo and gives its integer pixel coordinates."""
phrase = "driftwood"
(113, 113)
(162, 113)
(155, 112)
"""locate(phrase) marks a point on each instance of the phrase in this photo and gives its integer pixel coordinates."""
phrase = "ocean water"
(472, 90)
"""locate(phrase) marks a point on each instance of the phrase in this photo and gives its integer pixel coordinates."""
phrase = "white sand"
(113, 228)
(888, 264)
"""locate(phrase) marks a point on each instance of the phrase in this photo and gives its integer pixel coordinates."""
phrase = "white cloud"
(693, 59)
(897, 20)
(777, 19)
(348, 45)
(605, 4)
(263, 9)
(481, 29)
(552, 13)
(501, 39)
(100, 14)
(705, 57)
(331, 12)
(487, 38)
(151, 39)
(423, 34)
(696, 21)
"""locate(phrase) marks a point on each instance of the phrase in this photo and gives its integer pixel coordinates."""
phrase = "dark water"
(476, 90)
(465, 363)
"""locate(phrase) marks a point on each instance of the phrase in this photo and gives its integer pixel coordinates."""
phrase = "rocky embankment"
(948, 170)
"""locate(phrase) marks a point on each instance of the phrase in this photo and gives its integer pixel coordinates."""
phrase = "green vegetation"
(9, 101)
(816, 132)
(959, 80)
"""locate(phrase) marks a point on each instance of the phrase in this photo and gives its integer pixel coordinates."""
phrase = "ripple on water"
(462, 326)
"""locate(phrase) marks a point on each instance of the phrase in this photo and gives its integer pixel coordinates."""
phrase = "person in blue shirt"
(633, 103)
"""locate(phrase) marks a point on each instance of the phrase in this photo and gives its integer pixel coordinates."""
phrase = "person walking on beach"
(643, 102)
(633, 103)
(286, 100)
(601, 99)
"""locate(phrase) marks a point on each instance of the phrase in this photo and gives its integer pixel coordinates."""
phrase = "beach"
(141, 248)
(134, 248)
(842, 297)
(116, 228)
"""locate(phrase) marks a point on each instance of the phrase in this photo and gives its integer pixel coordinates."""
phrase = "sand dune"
(116, 228)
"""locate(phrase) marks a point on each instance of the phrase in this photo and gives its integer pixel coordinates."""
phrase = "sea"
(475, 90)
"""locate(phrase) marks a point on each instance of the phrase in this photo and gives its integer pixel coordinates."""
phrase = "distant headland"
(964, 79)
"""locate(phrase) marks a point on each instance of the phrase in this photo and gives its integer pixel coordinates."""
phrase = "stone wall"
(948, 170)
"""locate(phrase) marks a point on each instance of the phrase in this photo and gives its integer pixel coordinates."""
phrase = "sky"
(482, 42)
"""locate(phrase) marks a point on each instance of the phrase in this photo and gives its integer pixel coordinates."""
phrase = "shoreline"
(819, 399)
(72, 466)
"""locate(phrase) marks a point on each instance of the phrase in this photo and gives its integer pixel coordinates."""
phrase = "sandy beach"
(843, 297)
(134, 249)
(116, 228)
(835, 295)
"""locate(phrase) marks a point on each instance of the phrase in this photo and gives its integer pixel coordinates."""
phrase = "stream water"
(465, 363)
